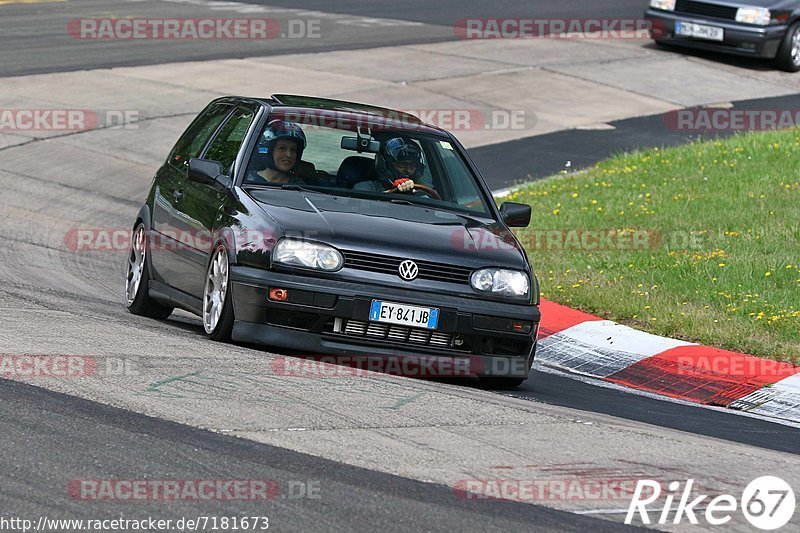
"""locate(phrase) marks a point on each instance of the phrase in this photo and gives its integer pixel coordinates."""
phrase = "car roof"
(348, 112)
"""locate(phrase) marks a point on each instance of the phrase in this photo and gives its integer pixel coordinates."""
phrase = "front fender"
(145, 216)
(249, 236)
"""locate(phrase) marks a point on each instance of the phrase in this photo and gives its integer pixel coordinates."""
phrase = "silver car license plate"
(404, 315)
(699, 31)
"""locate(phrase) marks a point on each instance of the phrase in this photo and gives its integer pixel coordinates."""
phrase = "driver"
(280, 148)
(397, 164)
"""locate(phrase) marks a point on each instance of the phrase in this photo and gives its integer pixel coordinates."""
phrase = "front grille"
(395, 333)
(707, 10)
(488, 345)
(385, 264)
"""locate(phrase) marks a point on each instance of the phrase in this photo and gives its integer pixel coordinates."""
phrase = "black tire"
(502, 383)
(141, 304)
(664, 45)
(788, 58)
(508, 383)
(219, 328)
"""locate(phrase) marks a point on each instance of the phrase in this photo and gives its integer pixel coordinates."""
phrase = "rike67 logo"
(767, 503)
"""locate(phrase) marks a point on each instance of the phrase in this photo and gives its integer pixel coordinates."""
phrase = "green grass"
(722, 224)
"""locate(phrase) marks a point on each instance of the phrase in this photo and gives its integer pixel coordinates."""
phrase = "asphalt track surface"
(445, 12)
(90, 440)
(40, 43)
(548, 154)
(53, 438)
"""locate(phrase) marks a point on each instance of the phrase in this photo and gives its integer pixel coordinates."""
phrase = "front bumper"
(327, 316)
(740, 39)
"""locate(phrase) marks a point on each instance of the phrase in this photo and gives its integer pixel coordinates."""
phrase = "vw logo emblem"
(408, 270)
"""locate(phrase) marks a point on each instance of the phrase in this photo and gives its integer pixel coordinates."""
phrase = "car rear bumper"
(326, 316)
(739, 39)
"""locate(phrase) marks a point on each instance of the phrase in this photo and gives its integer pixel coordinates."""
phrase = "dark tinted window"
(196, 136)
(226, 144)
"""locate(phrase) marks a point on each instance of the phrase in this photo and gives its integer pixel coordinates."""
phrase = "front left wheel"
(137, 279)
(495, 383)
(217, 297)
(505, 383)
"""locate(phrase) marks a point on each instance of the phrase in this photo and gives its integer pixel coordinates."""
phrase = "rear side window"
(195, 138)
(226, 144)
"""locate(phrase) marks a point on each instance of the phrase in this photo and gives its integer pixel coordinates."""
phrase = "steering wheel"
(425, 188)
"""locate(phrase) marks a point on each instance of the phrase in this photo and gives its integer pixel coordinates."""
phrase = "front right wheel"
(788, 57)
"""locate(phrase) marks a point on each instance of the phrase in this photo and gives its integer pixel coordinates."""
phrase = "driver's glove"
(404, 184)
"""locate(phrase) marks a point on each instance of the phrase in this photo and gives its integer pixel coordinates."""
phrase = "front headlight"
(666, 5)
(307, 254)
(500, 282)
(754, 15)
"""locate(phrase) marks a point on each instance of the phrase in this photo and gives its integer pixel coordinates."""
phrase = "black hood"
(393, 229)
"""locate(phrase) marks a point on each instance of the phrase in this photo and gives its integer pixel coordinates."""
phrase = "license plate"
(701, 31)
(404, 315)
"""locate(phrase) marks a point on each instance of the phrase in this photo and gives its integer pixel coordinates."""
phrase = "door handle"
(177, 195)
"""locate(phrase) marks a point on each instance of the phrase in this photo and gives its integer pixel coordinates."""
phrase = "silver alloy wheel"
(215, 290)
(796, 46)
(136, 259)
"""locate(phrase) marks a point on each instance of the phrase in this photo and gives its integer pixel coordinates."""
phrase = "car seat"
(355, 169)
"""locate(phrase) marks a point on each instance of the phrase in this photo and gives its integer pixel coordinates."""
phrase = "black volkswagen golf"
(330, 227)
(757, 28)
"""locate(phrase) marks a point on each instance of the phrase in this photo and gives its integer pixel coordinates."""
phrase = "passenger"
(281, 148)
(397, 164)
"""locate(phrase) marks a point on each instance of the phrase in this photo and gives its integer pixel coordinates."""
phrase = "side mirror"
(204, 171)
(515, 215)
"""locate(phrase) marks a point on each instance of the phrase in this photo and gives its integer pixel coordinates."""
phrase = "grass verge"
(700, 242)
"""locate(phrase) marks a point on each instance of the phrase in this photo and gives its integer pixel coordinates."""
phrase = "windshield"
(326, 159)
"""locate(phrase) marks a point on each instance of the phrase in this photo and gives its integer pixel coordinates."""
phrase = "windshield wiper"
(295, 187)
(401, 202)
